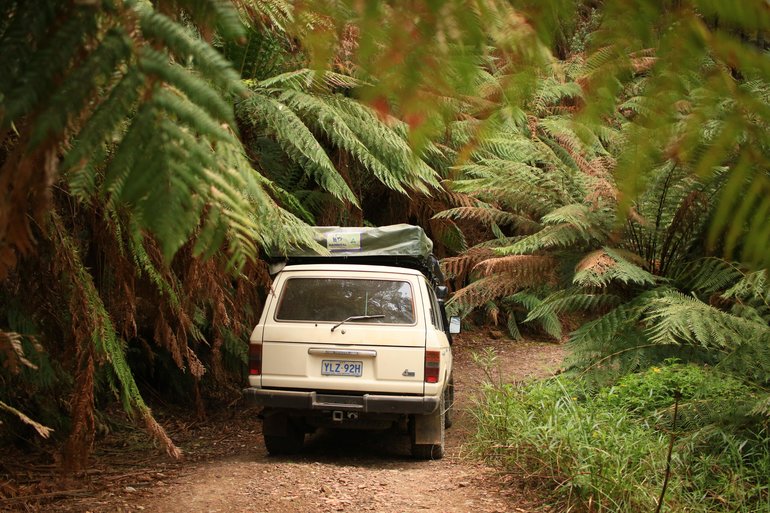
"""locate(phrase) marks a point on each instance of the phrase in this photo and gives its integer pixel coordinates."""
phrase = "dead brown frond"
(603, 191)
(597, 262)
(164, 335)
(13, 352)
(43, 431)
(459, 199)
(486, 289)
(159, 434)
(527, 270)
(532, 124)
(25, 194)
(458, 267)
(575, 152)
(643, 60)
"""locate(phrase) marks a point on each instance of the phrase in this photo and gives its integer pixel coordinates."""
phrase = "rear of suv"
(345, 341)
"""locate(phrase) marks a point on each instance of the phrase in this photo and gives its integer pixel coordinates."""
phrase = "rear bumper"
(367, 403)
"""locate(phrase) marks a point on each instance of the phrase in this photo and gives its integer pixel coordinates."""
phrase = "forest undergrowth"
(625, 446)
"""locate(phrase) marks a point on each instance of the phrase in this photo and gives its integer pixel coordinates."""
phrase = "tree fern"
(138, 108)
(175, 176)
(301, 109)
(95, 332)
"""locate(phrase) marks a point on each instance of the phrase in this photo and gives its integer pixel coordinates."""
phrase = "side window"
(435, 313)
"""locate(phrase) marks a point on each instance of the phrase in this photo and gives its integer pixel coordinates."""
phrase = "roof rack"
(400, 245)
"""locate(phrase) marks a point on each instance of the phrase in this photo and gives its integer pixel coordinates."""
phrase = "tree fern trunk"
(76, 450)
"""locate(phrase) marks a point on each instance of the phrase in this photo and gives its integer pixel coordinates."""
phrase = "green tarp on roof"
(393, 240)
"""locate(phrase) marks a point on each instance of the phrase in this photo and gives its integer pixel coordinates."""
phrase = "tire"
(290, 443)
(432, 451)
(449, 403)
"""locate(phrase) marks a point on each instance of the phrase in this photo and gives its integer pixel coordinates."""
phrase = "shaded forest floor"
(226, 467)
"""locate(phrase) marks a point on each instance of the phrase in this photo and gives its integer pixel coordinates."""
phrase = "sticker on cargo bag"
(343, 241)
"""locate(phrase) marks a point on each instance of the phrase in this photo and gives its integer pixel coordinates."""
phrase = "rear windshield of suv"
(336, 299)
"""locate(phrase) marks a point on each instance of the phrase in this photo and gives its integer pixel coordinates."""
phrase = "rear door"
(306, 344)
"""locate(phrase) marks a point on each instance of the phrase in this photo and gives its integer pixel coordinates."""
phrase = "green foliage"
(306, 115)
(142, 117)
(606, 450)
(587, 455)
(132, 108)
(161, 200)
(425, 55)
(545, 180)
(707, 61)
(704, 396)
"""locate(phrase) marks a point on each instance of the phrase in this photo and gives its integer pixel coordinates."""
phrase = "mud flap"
(428, 428)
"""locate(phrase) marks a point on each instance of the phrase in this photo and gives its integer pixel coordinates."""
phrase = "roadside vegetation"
(594, 172)
(623, 239)
(680, 428)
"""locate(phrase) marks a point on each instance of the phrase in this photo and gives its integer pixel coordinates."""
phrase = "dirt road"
(338, 471)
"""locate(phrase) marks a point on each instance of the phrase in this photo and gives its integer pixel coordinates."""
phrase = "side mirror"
(442, 292)
(454, 325)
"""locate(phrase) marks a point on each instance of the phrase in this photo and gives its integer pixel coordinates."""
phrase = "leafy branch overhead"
(306, 112)
(138, 106)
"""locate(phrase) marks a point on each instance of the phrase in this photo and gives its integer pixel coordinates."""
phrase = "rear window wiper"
(357, 318)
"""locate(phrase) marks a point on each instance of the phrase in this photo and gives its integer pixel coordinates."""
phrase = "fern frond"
(548, 321)
(387, 143)
(513, 326)
(529, 268)
(449, 235)
(200, 93)
(188, 113)
(753, 286)
(601, 267)
(601, 332)
(308, 79)
(113, 50)
(560, 236)
(337, 129)
(187, 48)
(488, 215)
(676, 318)
(88, 151)
(34, 80)
(299, 143)
(708, 275)
(576, 215)
(485, 289)
(459, 266)
(571, 300)
(97, 328)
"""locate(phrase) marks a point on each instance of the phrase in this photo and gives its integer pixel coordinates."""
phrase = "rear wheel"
(436, 422)
(290, 442)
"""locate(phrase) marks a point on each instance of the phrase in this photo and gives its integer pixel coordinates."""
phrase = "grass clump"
(606, 450)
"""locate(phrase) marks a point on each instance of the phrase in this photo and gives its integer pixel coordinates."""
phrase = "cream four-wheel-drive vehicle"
(355, 339)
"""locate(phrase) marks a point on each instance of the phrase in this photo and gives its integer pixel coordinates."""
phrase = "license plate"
(342, 368)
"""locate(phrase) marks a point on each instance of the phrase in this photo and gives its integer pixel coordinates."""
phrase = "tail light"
(432, 366)
(255, 359)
